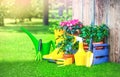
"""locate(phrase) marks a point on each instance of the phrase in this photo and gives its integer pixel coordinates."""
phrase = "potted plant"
(71, 26)
(67, 45)
(86, 34)
(98, 33)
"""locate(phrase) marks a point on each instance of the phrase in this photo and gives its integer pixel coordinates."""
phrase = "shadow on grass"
(46, 69)
(28, 69)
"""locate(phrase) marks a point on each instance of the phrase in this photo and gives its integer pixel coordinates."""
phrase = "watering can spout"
(34, 40)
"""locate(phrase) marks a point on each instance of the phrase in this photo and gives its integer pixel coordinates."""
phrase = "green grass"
(45, 69)
(17, 57)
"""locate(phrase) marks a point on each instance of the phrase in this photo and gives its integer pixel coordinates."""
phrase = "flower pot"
(65, 56)
(85, 45)
(100, 47)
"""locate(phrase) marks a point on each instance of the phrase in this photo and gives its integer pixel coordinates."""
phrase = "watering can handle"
(40, 45)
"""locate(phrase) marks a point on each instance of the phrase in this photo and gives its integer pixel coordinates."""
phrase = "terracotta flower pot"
(65, 56)
(85, 46)
(100, 47)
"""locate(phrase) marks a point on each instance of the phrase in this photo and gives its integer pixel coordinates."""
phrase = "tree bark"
(1, 15)
(45, 12)
(1, 19)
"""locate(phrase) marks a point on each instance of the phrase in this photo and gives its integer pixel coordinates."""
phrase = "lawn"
(17, 56)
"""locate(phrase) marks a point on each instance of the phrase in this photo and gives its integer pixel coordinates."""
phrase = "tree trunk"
(1, 19)
(45, 12)
(1, 15)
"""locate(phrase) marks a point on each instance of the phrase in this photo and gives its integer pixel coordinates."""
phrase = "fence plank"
(114, 25)
(100, 14)
(106, 11)
(86, 12)
(77, 9)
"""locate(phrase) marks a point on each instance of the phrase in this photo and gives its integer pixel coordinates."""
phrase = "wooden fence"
(101, 11)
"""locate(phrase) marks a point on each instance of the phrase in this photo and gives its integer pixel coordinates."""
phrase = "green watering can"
(41, 48)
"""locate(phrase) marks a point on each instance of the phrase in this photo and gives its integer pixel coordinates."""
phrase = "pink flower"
(76, 21)
(68, 23)
(81, 25)
(62, 24)
(71, 23)
(70, 28)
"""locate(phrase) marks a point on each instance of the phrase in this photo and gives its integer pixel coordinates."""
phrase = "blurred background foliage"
(19, 10)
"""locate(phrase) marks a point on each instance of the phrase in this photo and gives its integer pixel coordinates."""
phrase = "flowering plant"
(66, 45)
(71, 26)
